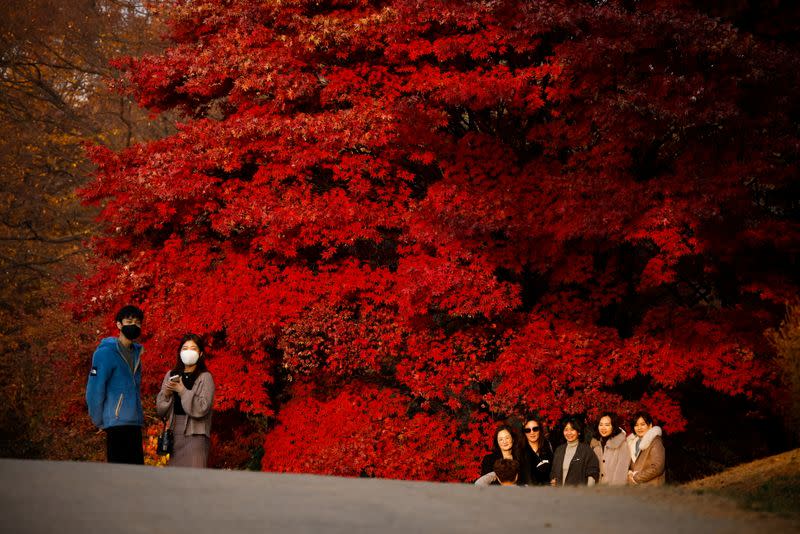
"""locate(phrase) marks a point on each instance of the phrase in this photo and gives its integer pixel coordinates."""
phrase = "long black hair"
(542, 443)
(200, 366)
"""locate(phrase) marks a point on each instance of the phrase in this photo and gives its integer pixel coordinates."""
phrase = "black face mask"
(131, 331)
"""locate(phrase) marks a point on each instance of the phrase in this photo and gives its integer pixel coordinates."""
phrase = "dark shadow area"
(722, 431)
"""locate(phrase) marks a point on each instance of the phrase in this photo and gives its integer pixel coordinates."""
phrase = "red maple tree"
(398, 221)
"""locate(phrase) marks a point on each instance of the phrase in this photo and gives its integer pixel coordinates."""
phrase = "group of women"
(611, 458)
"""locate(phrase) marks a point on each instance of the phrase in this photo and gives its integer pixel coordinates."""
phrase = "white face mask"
(189, 357)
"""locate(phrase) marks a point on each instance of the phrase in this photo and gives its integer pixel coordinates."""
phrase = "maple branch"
(37, 265)
(52, 96)
(55, 241)
(68, 64)
(125, 121)
(28, 225)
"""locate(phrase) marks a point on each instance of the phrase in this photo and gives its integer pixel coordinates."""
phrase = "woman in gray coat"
(574, 463)
(612, 451)
(185, 402)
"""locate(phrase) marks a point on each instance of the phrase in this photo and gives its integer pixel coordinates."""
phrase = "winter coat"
(583, 465)
(197, 403)
(539, 464)
(113, 391)
(649, 465)
(615, 460)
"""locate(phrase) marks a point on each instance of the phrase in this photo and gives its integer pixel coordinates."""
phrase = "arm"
(543, 468)
(524, 470)
(96, 387)
(545, 464)
(486, 480)
(655, 463)
(165, 398)
(487, 464)
(592, 466)
(556, 470)
(197, 401)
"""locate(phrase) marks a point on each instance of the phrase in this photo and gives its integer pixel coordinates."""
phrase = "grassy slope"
(770, 484)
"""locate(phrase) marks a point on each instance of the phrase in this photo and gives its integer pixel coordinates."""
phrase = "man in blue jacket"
(113, 391)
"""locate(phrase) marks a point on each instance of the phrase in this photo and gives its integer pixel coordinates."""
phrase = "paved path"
(63, 497)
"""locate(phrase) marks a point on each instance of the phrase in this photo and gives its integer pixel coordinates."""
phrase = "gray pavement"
(67, 497)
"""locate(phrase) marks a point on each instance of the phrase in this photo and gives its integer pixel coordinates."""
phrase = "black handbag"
(166, 440)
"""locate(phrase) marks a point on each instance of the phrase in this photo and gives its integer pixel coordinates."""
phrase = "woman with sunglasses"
(507, 444)
(185, 401)
(612, 451)
(538, 451)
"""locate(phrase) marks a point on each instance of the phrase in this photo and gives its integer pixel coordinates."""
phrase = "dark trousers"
(124, 445)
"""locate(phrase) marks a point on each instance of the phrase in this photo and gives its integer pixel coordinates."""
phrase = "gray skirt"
(189, 451)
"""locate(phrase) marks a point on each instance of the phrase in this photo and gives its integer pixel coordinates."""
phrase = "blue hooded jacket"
(113, 392)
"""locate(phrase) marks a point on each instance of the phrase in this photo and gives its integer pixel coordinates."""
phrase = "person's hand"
(176, 386)
(631, 479)
(553, 483)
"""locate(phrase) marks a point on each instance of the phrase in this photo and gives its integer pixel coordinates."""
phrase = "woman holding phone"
(185, 401)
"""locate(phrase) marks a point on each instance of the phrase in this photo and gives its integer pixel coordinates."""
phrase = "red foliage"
(365, 430)
(468, 209)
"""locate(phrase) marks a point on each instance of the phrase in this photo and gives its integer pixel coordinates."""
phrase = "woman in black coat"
(538, 452)
(507, 443)
(574, 462)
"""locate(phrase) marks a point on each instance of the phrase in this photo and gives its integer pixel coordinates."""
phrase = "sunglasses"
(531, 429)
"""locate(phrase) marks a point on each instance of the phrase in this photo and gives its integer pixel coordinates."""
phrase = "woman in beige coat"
(612, 451)
(185, 402)
(647, 452)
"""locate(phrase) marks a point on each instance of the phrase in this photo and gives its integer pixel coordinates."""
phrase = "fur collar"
(648, 438)
(613, 443)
